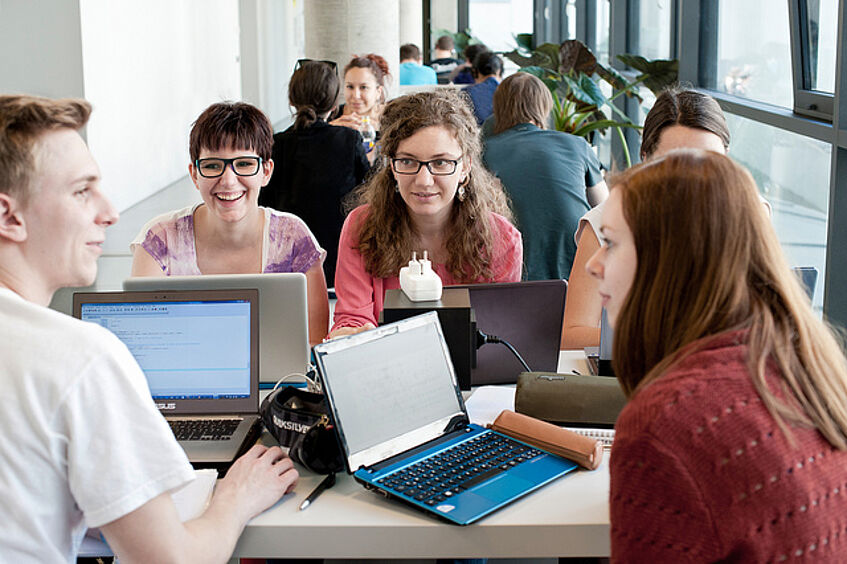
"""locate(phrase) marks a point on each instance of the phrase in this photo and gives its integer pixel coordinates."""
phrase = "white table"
(569, 517)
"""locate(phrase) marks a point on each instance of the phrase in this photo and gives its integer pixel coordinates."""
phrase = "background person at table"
(678, 119)
(464, 73)
(228, 232)
(488, 69)
(83, 444)
(412, 69)
(732, 446)
(315, 164)
(546, 174)
(432, 194)
(365, 90)
(443, 62)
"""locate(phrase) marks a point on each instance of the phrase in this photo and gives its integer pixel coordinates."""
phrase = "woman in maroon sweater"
(733, 445)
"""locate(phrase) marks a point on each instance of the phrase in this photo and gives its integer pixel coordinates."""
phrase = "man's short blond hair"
(23, 119)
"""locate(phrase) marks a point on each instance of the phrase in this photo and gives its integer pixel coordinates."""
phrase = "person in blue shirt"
(488, 68)
(550, 176)
(412, 69)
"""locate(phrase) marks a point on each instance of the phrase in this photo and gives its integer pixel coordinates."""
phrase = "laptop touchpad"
(503, 487)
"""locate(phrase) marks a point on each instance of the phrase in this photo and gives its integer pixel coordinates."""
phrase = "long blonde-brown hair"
(386, 235)
(708, 262)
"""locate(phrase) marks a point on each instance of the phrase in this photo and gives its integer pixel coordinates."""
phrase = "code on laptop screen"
(187, 350)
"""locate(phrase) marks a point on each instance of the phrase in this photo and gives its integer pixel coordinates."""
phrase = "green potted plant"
(573, 74)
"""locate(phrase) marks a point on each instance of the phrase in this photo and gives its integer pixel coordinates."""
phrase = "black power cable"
(483, 339)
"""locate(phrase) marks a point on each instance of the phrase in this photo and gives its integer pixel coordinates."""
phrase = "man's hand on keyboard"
(256, 481)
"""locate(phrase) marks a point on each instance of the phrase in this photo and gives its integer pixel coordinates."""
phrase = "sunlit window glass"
(822, 27)
(495, 22)
(654, 29)
(792, 173)
(753, 51)
(602, 31)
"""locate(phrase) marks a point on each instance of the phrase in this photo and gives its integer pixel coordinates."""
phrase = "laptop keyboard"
(441, 476)
(203, 429)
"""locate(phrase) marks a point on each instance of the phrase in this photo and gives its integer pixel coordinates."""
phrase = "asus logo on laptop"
(166, 406)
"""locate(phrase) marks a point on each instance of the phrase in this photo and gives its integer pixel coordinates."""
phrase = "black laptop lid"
(526, 314)
(198, 349)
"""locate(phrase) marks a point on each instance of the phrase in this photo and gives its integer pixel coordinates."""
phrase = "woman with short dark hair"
(228, 233)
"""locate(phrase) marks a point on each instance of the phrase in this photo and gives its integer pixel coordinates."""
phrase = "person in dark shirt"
(488, 68)
(464, 74)
(443, 61)
(317, 164)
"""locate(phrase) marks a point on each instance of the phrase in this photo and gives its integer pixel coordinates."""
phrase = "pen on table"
(326, 483)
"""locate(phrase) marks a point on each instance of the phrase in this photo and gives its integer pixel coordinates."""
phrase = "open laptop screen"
(179, 345)
(198, 349)
(391, 388)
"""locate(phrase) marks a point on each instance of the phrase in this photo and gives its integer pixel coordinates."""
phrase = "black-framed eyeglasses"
(332, 64)
(214, 167)
(436, 167)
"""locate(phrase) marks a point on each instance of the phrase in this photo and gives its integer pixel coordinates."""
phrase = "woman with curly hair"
(431, 193)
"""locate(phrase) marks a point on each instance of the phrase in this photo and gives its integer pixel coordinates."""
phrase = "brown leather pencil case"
(585, 451)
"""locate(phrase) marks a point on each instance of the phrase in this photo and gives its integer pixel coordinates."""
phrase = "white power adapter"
(418, 281)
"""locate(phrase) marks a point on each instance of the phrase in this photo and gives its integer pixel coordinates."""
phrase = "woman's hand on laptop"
(256, 481)
(344, 331)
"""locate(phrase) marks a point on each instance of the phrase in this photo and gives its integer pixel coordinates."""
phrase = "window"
(792, 173)
(821, 39)
(495, 22)
(652, 30)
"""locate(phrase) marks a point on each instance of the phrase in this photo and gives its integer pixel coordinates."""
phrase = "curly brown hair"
(386, 235)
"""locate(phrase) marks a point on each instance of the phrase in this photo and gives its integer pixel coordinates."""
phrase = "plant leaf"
(524, 41)
(536, 59)
(657, 74)
(574, 56)
(549, 78)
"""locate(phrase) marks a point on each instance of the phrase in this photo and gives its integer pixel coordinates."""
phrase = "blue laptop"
(404, 430)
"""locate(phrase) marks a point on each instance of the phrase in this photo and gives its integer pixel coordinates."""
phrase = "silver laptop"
(199, 352)
(284, 323)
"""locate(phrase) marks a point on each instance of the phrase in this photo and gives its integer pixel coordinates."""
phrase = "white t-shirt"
(592, 217)
(81, 442)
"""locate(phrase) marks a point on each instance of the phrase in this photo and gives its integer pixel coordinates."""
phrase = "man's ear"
(12, 224)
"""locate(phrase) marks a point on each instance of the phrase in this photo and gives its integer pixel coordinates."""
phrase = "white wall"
(150, 67)
(411, 22)
(272, 39)
(40, 48)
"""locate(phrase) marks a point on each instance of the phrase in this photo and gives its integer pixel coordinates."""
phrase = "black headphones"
(299, 419)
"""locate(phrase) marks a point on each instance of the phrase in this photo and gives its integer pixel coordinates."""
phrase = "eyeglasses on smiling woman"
(215, 167)
(436, 167)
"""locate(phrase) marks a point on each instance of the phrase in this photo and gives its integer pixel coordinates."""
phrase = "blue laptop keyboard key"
(452, 471)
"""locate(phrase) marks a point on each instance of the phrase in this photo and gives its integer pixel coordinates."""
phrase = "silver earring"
(396, 187)
(460, 193)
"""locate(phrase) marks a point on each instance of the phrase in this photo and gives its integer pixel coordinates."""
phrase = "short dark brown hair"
(445, 43)
(23, 119)
(521, 98)
(689, 108)
(237, 125)
(409, 51)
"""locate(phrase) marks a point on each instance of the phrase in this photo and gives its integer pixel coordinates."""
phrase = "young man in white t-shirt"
(81, 442)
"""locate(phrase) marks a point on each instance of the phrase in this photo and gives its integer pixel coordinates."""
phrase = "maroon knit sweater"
(701, 472)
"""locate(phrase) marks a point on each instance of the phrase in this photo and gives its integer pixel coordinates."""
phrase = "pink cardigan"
(360, 295)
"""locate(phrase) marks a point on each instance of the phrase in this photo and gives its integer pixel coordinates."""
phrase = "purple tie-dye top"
(287, 246)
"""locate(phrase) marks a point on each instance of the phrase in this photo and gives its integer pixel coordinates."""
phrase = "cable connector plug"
(419, 281)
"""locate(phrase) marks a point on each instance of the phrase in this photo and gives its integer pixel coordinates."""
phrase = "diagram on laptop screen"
(187, 350)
